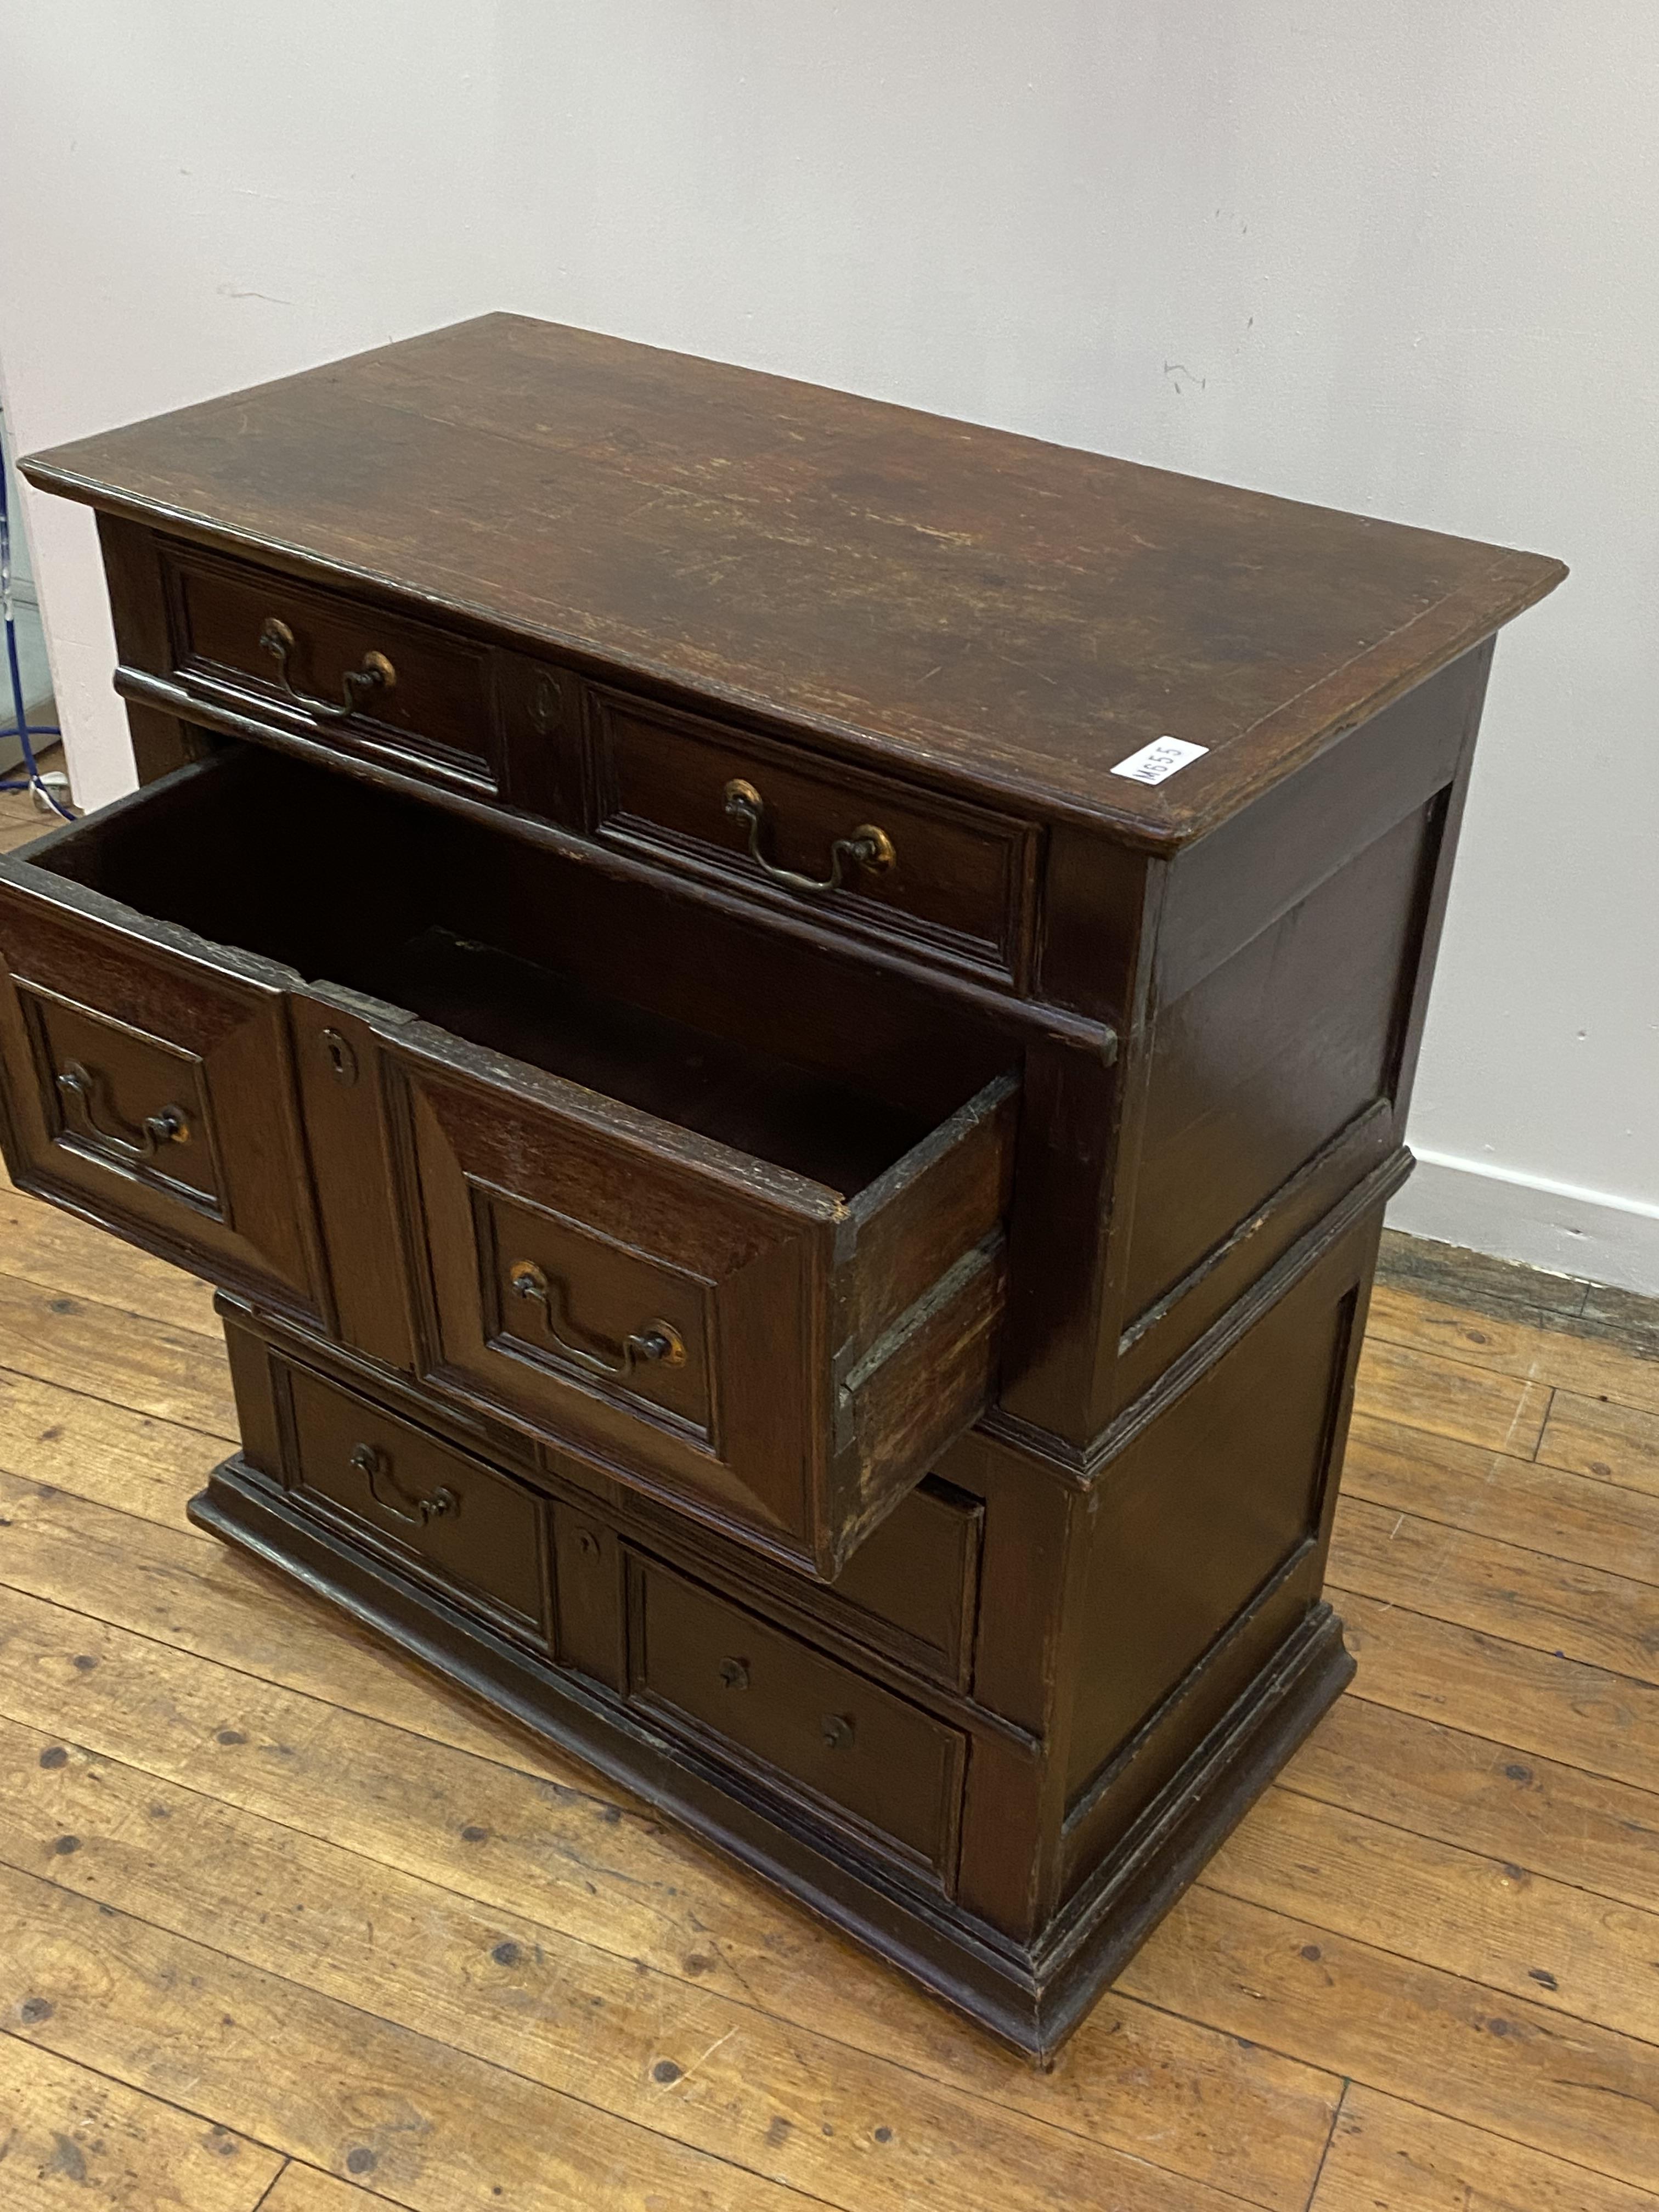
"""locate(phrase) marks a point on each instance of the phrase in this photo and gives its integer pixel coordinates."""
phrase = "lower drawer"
(800, 1721)
(459, 1523)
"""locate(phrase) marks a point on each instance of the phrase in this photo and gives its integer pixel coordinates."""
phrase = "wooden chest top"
(1009, 617)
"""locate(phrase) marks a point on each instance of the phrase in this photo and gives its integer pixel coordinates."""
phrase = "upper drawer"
(363, 682)
(869, 855)
(767, 1289)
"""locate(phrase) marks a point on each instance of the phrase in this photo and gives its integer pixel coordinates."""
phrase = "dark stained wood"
(398, 1911)
(1231, 886)
(335, 1056)
(1205, 1506)
(1012, 615)
(777, 1706)
(443, 1170)
(862, 1352)
(138, 611)
(412, 1499)
(152, 1094)
(791, 1405)
(957, 882)
(1259, 1065)
(919, 1572)
(430, 712)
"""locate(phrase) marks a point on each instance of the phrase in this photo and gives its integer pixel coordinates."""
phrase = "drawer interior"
(688, 1016)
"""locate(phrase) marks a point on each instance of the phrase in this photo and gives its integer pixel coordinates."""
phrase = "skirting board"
(1556, 1226)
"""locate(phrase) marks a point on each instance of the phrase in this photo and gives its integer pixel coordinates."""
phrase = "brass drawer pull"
(376, 674)
(416, 1512)
(838, 1731)
(656, 1341)
(85, 1087)
(867, 847)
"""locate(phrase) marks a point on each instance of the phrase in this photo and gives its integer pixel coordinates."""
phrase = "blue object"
(25, 731)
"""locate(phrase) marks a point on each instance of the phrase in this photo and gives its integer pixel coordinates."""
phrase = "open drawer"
(716, 1211)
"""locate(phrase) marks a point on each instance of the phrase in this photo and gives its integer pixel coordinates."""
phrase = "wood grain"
(101, 1452)
(324, 2081)
(1494, 1494)
(168, 1585)
(1442, 1782)
(313, 1853)
(1015, 614)
(302, 2189)
(1512, 1692)
(1524, 1597)
(90, 1345)
(61, 1253)
(1560, 2085)
(1490, 1921)
(1526, 1347)
(1457, 1276)
(1389, 2156)
(1598, 1437)
(69, 2138)
(1427, 1390)
(583, 1867)
(697, 2066)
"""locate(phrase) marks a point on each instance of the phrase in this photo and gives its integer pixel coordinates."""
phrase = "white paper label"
(1159, 759)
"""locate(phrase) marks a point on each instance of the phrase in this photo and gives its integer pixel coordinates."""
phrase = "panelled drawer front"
(910, 1591)
(559, 1251)
(416, 698)
(912, 1587)
(477, 1531)
(869, 855)
(790, 1714)
(154, 1092)
(674, 1306)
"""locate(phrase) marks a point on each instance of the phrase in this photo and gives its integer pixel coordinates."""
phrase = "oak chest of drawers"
(790, 1204)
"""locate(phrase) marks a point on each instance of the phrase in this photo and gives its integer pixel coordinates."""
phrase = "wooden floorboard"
(685, 2062)
(328, 2082)
(69, 2137)
(1525, 1596)
(303, 2189)
(289, 1924)
(562, 1858)
(1606, 1524)
(1387, 2156)
(1616, 1444)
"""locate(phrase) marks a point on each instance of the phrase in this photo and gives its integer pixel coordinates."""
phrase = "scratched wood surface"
(290, 1926)
(1011, 615)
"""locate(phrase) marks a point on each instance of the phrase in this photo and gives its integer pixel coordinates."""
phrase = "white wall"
(1401, 257)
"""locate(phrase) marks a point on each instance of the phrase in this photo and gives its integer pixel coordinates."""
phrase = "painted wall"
(1399, 258)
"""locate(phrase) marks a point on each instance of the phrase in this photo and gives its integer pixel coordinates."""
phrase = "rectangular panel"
(1201, 1508)
(475, 1530)
(790, 1713)
(348, 674)
(125, 1100)
(1264, 1061)
(918, 1573)
(564, 1297)
(949, 878)
(637, 1237)
(718, 1329)
(152, 1091)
